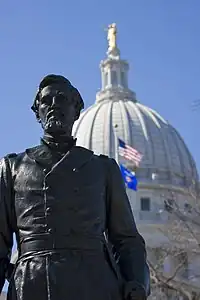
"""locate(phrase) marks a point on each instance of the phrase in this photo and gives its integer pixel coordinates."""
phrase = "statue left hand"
(137, 295)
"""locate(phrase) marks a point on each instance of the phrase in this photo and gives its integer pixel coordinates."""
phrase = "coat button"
(50, 230)
(48, 209)
(45, 188)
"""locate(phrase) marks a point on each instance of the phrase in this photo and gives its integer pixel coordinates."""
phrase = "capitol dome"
(167, 176)
(117, 114)
(164, 151)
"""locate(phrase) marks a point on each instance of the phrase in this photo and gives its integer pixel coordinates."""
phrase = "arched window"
(106, 79)
(123, 79)
(114, 78)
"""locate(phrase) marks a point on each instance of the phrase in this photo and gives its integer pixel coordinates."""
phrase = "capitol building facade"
(167, 175)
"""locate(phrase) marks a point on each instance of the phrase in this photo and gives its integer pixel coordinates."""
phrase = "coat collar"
(73, 160)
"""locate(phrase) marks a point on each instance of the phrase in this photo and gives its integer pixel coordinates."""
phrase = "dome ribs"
(108, 134)
(77, 125)
(91, 129)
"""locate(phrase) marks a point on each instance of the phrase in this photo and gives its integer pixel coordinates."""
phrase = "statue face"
(57, 110)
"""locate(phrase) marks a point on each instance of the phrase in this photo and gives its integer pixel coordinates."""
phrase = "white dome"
(164, 151)
(117, 113)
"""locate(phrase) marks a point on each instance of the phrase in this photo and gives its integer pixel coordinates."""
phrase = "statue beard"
(54, 125)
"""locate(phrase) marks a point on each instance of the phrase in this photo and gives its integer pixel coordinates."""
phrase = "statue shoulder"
(103, 156)
(4, 161)
(106, 157)
(10, 159)
(108, 160)
(11, 155)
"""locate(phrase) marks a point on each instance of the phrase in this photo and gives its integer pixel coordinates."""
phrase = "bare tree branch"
(183, 234)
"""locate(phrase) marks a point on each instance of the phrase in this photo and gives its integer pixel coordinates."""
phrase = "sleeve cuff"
(135, 288)
(9, 271)
(3, 267)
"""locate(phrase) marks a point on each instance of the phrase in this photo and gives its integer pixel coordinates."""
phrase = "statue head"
(57, 105)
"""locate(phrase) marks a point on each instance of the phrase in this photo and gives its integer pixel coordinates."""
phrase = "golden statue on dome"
(112, 37)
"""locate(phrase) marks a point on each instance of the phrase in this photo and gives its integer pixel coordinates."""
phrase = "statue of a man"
(75, 231)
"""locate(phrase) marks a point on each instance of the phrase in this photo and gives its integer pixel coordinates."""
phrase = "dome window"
(145, 204)
(106, 79)
(188, 207)
(114, 78)
(123, 80)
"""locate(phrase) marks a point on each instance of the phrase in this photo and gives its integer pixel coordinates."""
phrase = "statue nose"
(54, 102)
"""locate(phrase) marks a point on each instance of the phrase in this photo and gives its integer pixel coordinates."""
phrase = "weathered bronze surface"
(75, 231)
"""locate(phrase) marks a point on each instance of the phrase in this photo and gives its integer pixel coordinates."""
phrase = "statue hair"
(52, 79)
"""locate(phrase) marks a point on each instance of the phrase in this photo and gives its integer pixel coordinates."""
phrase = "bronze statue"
(75, 231)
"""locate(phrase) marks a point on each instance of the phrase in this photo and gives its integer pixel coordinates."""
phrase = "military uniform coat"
(65, 214)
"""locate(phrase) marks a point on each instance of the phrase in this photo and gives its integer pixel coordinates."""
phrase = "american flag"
(129, 152)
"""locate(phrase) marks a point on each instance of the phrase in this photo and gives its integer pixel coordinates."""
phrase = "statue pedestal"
(113, 53)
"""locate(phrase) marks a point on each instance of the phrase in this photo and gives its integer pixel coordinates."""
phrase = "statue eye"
(61, 97)
(46, 100)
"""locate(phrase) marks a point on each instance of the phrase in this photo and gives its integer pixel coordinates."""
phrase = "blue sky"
(159, 38)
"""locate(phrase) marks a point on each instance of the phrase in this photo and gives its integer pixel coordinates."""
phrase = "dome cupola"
(117, 113)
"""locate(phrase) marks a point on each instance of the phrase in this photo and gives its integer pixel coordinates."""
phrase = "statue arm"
(6, 232)
(123, 234)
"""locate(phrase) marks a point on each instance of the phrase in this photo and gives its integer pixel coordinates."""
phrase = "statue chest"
(55, 196)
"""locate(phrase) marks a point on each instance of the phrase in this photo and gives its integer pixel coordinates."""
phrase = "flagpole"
(116, 144)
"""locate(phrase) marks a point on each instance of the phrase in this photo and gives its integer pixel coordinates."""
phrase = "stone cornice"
(115, 94)
(165, 187)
